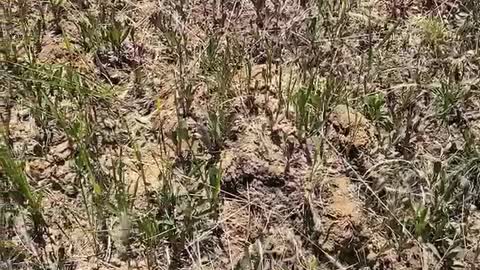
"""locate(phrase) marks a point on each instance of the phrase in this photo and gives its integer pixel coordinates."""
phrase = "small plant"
(24, 194)
(467, 168)
(436, 218)
(211, 61)
(187, 197)
(116, 33)
(433, 31)
(314, 103)
(447, 97)
(95, 35)
(5, 117)
(218, 128)
(181, 137)
(222, 87)
(469, 29)
(46, 89)
(214, 188)
(421, 219)
(90, 33)
(374, 110)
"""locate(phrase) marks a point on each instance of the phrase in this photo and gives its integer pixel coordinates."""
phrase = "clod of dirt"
(343, 217)
(61, 151)
(54, 51)
(249, 171)
(38, 169)
(343, 204)
(353, 127)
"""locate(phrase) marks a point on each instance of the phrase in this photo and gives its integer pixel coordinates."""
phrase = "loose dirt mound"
(266, 191)
(345, 210)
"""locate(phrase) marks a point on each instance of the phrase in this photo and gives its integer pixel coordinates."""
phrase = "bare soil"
(280, 207)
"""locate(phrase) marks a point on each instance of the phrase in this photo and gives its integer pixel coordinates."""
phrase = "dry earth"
(337, 199)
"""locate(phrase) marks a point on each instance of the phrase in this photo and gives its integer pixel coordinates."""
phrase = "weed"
(314, 102)
(434, 32)
(116, 33)
(374, 110)
(24, 193)
(95, 35)
(218, 127)
(90, 33)
(447, 98)
(210, 61)
(468, 31)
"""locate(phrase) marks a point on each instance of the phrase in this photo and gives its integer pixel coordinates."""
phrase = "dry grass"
(239, 134)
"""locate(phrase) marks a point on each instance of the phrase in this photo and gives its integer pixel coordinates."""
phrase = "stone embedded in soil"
(354, 128)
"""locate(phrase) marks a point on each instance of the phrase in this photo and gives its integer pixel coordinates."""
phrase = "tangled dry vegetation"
(236, 134)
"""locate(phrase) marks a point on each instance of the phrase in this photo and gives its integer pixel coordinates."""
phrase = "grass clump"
(22, 192)
(433, 31)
